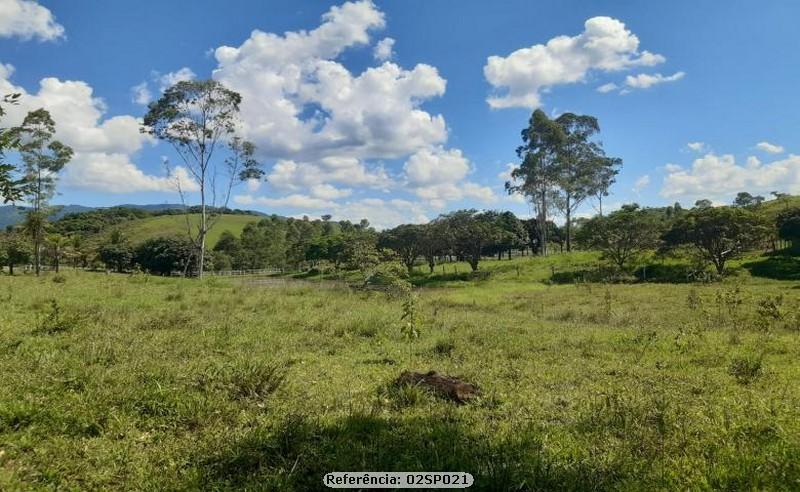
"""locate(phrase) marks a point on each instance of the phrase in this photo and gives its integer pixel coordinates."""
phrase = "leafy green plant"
(746, 368)
(770, 311)
(55, 321)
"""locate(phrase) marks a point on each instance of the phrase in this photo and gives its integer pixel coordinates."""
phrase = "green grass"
(146, 383)
(175, 225)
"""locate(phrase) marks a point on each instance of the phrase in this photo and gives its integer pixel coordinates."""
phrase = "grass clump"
(746, 368)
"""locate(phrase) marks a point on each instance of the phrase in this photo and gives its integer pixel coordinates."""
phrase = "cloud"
(606, 88)
(769, 148)
(697, 146)
(381, 213)
(115, 173)
(605, 45)
(641, 183)
(433, 166)
(644, 81)
(720, 177)
(383, 50)
(103, 145)
(296, 200)
(303, 105)
(329, 192)
(27, 20)
(293, 175)
(140, 94)
(437, 176)
(506, 174)
(329, 129)
(167, 80)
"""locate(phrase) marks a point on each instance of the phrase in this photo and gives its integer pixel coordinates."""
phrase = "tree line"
(562, 165)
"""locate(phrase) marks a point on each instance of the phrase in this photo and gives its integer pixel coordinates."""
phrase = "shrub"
(164, 255)
(745, 368)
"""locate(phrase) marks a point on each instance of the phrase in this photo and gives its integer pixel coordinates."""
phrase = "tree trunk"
(720, 265)
(11, 269)
(37, 254)
(543, 224)
(568, 225)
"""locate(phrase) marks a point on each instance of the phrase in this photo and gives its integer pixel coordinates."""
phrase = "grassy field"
(137, 382)
(175, 225)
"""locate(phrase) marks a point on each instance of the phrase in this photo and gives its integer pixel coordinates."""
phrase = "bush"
(745, 368)
(164, 255)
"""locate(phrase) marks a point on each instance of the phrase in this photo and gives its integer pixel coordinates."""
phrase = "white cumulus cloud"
(644, 80)
(641, 183)
(697, 146)
(769, 148)
(27, 19)
(606, 88)
(384, 49)
(719, 177)
(605, 45)
(299, 103)
(103, 145)
(167, 80)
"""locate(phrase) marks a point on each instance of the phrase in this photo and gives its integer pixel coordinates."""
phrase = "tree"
(406, 240)
(197, 117)
(703, 203)
(717, 233)
(164, 255)
(10, 188)
(512, 234)
(432, 244)
(622, 235)
(228, 251)
(536, 176)
(583, 169)
(788, 222)
(745, 199)
(536, 236)
(562, 166)
(116, 253)
(606, 176)
(56, 247)
(14, 250)
(43, 158)
(469, 232)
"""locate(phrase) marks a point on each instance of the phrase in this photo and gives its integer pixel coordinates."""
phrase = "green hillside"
(174, 225)
(772, 208)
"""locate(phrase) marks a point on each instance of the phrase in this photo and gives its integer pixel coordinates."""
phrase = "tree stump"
(448, 387)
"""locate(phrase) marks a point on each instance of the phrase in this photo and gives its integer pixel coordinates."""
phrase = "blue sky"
(421, 135)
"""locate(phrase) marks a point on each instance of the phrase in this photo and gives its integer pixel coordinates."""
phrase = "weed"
(770, 311)
(55, 321)
(444, 348)
(745, 368)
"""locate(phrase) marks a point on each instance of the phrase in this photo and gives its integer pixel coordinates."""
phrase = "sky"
(399, 111)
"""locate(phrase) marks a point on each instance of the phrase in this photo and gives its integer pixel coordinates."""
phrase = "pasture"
(175, 225)
(140, 383)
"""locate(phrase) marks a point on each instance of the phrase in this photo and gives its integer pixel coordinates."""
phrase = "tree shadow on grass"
(296, 454)
(778, 267)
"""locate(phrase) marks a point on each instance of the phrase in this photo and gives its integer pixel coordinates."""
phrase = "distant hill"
(11, 215)
(175, 225)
